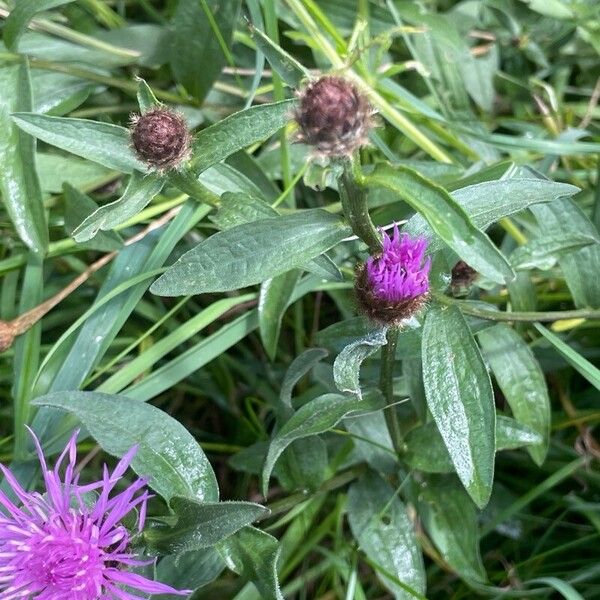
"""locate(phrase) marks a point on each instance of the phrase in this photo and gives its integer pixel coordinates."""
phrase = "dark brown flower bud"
(463, 276)
(333, 116)
(160, 138)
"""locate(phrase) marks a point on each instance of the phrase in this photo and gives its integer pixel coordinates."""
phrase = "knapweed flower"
(333, 116)
(160, 138)
(69, 543)
(394, 284)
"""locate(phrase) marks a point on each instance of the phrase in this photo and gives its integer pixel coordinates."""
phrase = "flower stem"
(543, 316)
(386, 382)
(353, 195)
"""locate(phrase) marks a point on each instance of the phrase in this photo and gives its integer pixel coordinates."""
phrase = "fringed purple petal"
(399, 273)
(58, 546)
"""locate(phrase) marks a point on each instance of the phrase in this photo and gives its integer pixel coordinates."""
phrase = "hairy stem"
(353, 195)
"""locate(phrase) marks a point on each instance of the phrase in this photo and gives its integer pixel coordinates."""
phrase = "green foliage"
(206, 314)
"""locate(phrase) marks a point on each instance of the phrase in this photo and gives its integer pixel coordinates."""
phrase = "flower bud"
(160, 138)
(333, 116)
(463, 276)
(393, 285)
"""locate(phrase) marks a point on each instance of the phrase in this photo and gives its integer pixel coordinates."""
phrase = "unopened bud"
(463, 276)
(333, 116)
(160, 138)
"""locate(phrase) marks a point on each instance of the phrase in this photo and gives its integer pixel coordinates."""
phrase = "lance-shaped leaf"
(201, 524)
(510, 196)
(238, 131)
(285, 65)
(425, 449)
(100, 142)
(544, 252)
(460, 398)
(447, 219)
(314, 417)
(522, 382)
(139, 192)
(451, 522)
(19, 182)
(251, 253)
(346, 368)
(380, 524)
(254, 554)
(167, 454)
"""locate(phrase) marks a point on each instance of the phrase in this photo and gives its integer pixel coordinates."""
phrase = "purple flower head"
(393, 285)
(69, 543)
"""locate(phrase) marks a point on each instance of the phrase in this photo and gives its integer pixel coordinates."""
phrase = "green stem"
(386, 383)
(353, 195)
(542, 316)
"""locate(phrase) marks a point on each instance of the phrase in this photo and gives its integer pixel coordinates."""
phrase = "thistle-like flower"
(69, 543)
(333, 116)
(394, 284)
(160, 138)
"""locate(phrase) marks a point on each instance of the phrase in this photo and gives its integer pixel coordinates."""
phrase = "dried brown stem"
(9, 330)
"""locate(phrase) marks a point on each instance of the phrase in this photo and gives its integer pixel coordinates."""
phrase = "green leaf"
(251, 253)
(238, 208)
(580, 268)
(346, 367)
(189, 570)
(578, 362)
(19, 182)
(460, 398)
(167, 453)
(314, 417)
(201, 35)
(565, 589)
(57, 94)
(20, 16)
(510, 196)
(302, 465)
(100, 142)
(300, 366)
(451, 522)
(78, 207)
(285, 65)
(446, 217)
(201, 524)
(56, 169)
(253, 554)
(544, 252)
(273, 301)
(380, 524)
(521, 380)
(426, 452)
(145, 97)
(139, 192)
(238, 131)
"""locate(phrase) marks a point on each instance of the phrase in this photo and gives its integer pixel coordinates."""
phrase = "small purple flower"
(69, 543)
(399, 273)
(394, 284)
